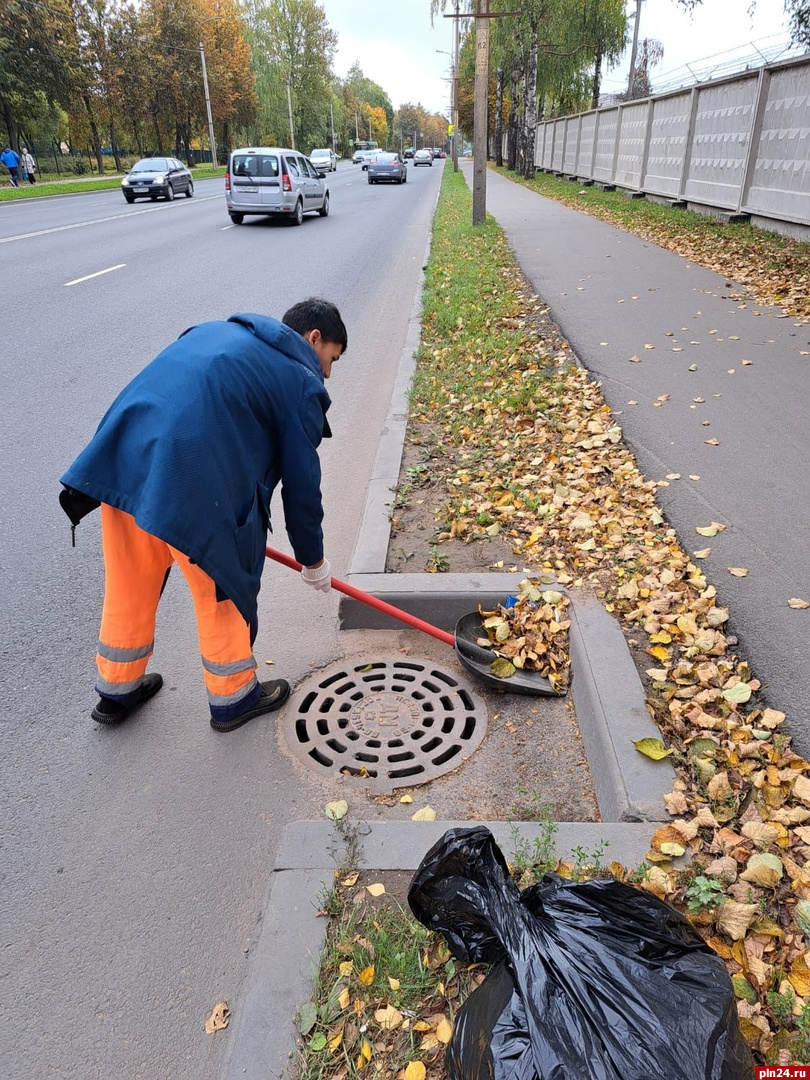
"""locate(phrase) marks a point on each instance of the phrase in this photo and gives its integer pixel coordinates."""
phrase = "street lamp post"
(208, 108)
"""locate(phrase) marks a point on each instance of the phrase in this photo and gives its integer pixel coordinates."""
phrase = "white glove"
(320, 577)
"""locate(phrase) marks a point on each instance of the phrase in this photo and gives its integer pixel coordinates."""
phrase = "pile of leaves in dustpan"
(530, 633)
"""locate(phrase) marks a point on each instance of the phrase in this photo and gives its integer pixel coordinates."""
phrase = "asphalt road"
(708, 386)
(135, 859)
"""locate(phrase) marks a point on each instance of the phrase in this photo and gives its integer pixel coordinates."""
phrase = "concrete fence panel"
(739, 144)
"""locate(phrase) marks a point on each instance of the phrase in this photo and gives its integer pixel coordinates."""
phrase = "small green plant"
(437, 562)
(417, 473)
(588, 864)
(704, 892)
(781, 1005)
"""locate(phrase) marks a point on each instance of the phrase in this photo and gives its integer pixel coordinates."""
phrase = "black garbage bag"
(593, 980)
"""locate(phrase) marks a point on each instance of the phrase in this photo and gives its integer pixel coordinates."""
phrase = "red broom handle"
(367, 598)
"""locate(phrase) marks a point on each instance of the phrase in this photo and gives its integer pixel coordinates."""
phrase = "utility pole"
(482, 16)
(208, 108)
(454, 106)
(631, 76)
(289, 108)
(480, 112)
(332, 125)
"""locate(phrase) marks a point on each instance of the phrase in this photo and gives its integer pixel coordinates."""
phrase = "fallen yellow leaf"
(427, 813)
(377, 889)
(798, 605)
(350, 879)
(344, 997)
(444, 1031)
(219, 1018)
(415, 1070)
(366, 976)
(346, 968)
(393, 983)
(406, 799)
(737, 571)
(388, 1018)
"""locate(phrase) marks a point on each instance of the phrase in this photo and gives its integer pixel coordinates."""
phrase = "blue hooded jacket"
(195, 445)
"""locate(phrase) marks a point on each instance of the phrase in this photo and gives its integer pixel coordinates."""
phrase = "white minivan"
(273, 181)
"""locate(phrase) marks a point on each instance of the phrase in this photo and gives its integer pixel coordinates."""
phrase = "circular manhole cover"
(386, 723)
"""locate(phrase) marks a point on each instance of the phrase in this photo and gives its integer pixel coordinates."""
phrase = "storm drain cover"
(386, 723)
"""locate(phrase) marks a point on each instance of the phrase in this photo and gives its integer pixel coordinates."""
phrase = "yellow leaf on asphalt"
(737, 571)
(712, 442)
(709, 530)
(798, 605)
(388, 1018)
(219, 1018)
(377, 889)
(704, 553)
(406, 799)
(427, 813)
(336, 810)
(366, 976)
(444, 1032)
(415, 1070)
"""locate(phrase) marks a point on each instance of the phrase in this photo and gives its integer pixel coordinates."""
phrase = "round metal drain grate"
(385, 724)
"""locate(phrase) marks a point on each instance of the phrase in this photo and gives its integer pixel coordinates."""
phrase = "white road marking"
(98, 273)
(94, 221)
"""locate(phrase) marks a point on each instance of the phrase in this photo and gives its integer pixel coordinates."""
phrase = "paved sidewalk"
(614, 295)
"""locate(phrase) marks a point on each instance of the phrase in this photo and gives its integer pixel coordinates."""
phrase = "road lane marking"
(98, 273)
(94, 221)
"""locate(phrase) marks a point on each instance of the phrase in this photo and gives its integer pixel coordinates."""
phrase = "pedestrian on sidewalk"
(11, 160)
(29, 165)
(183, 466)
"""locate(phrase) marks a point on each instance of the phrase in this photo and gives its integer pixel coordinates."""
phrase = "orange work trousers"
(135, 565)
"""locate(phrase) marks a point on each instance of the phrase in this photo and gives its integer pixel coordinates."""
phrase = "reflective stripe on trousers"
(135, 566)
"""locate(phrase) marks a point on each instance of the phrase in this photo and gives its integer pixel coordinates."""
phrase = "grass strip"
(78, 187)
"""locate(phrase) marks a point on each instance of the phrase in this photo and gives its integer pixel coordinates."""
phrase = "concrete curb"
(290, 936)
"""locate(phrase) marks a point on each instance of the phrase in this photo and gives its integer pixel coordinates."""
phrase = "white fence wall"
(739, 144)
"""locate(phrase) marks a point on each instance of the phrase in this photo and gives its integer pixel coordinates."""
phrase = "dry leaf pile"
(531, 454)
(531, 634)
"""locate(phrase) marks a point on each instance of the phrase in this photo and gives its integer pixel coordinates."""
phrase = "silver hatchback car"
(273, 181)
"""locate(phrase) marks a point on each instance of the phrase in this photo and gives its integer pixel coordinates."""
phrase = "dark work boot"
(274, 693)
(111, 712)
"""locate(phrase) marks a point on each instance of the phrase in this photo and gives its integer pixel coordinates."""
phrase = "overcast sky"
(396, 47)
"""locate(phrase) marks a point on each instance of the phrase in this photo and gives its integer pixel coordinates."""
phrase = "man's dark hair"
(317, 314)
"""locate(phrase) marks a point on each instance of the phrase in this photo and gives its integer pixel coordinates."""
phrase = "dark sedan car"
(387, 167)
(157, 177)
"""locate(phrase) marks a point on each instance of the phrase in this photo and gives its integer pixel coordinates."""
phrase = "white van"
(273, 180)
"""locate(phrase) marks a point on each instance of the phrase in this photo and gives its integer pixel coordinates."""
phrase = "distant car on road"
(438, 152)
(273, 181)
(423, 157)
(409, 152)
(366, 157)
(388, 167)
(157, 177)
(325, 160)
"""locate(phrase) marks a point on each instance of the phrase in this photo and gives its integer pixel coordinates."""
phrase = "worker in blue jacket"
(183, 466)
